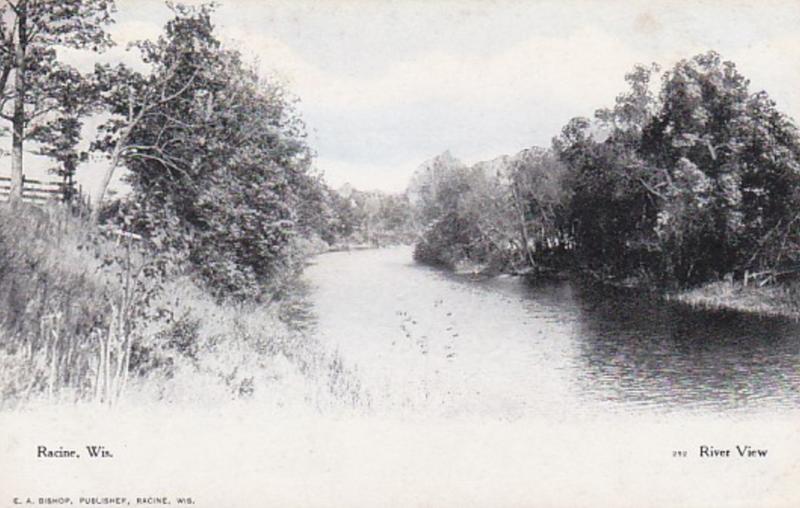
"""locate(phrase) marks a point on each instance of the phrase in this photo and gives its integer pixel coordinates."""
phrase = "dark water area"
(426, 339)
(635, 347)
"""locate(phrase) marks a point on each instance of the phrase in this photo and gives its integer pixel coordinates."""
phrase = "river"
(423, 341)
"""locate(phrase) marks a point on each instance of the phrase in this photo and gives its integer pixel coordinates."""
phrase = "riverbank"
(72, 330)
(259, 352)
(773, 300)
(777, 300)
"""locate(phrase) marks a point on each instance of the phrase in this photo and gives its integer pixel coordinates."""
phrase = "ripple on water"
(426, 340)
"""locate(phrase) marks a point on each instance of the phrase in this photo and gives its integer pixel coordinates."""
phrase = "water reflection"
(636, 349)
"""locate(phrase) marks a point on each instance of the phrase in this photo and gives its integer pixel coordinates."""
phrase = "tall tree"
(216, 157)
(59, 137)
(182, 63)
(696, 137)
(30, 72)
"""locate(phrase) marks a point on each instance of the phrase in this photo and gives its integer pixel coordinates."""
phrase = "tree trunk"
(18, 122)
(519, 206)
(101, 191)
(116, 156)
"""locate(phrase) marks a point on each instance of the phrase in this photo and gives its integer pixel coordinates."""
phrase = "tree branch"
(180, 92)
(14, 7)
(165, 162)
(651, 189)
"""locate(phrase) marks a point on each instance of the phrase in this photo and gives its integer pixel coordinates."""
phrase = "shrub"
(74, 301)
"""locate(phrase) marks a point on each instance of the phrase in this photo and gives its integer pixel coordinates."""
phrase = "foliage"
(60, 136)
(440, 190)
(90, 316)
(683, 181)
(40, 96)
(691, 185)
(540, 197)
(377, 218)
(217, 158)
(222, 190)
(503, 214)
(215, 351)
(75, 302)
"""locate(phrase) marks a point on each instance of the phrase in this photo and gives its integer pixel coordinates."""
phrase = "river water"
(423, 341)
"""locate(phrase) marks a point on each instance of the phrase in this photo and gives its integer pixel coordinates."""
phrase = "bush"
(447, 242)
(61, 338)
(54, 304)
(220, 351)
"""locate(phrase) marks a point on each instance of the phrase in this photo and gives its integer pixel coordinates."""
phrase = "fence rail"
(40, 191)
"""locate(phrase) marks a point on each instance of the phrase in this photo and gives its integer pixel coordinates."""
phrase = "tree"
(540, 198)
(30, 32)
(440, 189)
(217, 158)
(178, 61)
(698, 136)
(768, 149)
(395, 218)
(696, 183)
(428, 190)
(613, 197)
(466, 212)
(60, 135)
(633, 110)
(347, 217)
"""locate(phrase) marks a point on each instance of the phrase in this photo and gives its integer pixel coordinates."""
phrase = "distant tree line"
(504, 215)
(372, 218)
(684, 180)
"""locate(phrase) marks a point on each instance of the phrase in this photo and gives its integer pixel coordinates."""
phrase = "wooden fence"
(40, 192)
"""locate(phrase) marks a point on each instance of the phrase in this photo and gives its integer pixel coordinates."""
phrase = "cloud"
(773, 65)
(560, 68)
(478, 105)
(367, 176)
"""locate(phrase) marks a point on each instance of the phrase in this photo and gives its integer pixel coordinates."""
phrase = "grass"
(79, 323)
(780, 300)
(214, 352)
(53, 305)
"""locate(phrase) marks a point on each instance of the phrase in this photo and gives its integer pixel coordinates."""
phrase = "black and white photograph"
(400, 253)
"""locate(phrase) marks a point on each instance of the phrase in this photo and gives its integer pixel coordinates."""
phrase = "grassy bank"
(86, 316)
(55, 312)
(212, 352)
(771, 300)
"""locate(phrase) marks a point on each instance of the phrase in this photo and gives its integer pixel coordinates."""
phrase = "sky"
(386, 84)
